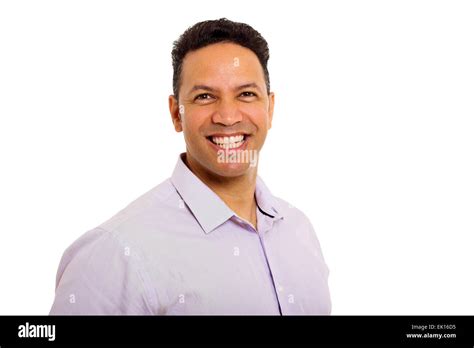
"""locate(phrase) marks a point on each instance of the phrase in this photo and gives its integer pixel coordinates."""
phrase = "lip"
(227, 135)
(217, 148)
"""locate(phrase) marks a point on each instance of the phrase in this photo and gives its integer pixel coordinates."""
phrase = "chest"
(240, 272)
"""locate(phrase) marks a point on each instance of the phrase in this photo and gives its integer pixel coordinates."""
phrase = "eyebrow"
(210, 89)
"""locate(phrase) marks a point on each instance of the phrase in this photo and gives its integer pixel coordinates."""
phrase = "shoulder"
(297, 221)
(96, 245)
(154, 200)
(292, 213)
(105, 268)
(99, 274)
(119, 238)
(300, 224)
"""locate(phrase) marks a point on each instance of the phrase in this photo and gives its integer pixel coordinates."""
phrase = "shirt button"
(280, 288)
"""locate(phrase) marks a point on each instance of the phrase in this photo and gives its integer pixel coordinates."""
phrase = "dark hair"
(213, 31)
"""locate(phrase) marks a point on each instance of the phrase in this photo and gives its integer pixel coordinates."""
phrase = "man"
(211, 239)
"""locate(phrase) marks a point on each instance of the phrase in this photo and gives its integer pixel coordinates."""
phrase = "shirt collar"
(207, 207)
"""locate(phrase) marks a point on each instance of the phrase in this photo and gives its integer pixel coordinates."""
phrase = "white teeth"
(228, 142)
(230, 145)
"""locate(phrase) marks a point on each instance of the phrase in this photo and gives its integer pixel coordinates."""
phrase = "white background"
(372, 136)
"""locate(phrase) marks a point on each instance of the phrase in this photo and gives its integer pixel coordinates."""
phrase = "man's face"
(224, 108)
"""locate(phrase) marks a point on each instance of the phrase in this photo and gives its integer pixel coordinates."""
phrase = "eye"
(248, 94)
(203, 96)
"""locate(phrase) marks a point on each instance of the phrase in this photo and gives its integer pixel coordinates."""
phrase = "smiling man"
(211, 239)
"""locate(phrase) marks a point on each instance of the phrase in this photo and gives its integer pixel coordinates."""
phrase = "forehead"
(221, 62)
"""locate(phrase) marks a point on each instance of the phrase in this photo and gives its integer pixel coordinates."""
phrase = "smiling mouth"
(228, 142)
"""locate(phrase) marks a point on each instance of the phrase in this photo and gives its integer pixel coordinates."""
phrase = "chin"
(230, 170)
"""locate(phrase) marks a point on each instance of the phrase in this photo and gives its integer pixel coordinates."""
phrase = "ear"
(271, 104)
(175, 114)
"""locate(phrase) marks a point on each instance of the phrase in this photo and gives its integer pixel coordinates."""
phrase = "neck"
(238, 193)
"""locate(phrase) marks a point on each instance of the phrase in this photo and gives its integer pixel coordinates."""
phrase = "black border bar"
(249, 330)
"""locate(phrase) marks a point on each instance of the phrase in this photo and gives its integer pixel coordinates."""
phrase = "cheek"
(258, 115)
(192, 122)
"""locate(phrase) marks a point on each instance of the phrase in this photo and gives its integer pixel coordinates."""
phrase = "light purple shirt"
(179, 249)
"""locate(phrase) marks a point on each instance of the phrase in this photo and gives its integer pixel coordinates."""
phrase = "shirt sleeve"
(100, 274)
(316, 245)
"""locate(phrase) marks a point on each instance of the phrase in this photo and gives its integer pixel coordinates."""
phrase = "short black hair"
(214, 31)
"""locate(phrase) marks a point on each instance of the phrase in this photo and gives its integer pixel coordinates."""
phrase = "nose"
(226, 113)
